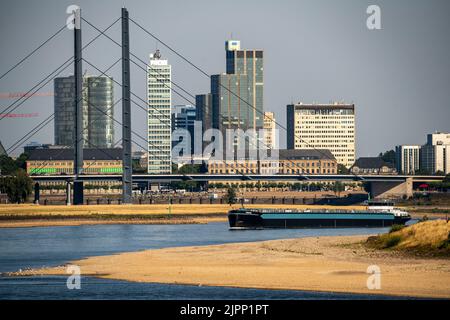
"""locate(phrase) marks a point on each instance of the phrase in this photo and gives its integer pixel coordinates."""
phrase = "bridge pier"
(36, 193)
(391, 189)
(68, 193)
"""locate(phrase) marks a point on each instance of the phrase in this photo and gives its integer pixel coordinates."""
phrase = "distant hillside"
(429, 238)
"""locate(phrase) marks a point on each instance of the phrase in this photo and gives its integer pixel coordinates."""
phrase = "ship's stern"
(241, 219)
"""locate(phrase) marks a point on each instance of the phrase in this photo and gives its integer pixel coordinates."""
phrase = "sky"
(314, 51)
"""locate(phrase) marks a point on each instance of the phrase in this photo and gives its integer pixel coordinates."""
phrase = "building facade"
(269, 131)
(372, 165)
(98, 111)
(435, 154)
(237, 95)
(159, 115)
(297, 161)
(323, 126)
(54, 161)
(203, 103)
(183, 128)
(408, 159)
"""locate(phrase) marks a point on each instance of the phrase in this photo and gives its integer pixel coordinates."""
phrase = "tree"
(422, 172)
(17, 186)
(187, 168)
(341, 169)
(447, 178)
(231, 197)
(7, 165)
(388, 156)
(338, 187)
(21, 161)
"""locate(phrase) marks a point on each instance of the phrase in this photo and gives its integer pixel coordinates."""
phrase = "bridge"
(379, 185)
(205, 177)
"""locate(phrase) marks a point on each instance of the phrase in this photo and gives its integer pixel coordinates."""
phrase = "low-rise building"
(60, 161)
(372, 165)
(290, 161)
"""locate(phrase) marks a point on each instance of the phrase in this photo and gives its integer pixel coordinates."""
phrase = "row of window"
(70, 163)
(289, 171)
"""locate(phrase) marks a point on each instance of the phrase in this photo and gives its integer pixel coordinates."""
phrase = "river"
(22, 248)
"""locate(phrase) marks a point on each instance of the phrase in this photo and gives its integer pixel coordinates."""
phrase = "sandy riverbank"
(333, 264)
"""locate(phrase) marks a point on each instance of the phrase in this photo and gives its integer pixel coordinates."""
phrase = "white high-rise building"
(159, 115)
(435, 155)
(408, 159)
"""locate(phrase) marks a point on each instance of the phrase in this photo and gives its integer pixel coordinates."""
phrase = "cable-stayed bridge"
(382, 184)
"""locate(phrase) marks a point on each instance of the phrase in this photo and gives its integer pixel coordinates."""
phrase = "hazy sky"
(315, 51)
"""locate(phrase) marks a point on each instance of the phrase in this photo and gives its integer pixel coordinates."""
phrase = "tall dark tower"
(126, 112)
(78, 141)
(237, 95)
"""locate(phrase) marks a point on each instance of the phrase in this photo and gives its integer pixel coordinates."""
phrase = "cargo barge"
(378, 214)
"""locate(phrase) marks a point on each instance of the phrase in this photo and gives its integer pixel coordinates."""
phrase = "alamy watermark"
(74, 280)
(373, 21)
(374, 280)
(71, 23)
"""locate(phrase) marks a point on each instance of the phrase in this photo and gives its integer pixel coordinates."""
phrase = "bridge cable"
(32, 52)
(230, 91)
(5, 112)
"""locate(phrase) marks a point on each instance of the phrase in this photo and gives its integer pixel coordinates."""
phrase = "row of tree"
(443, 186)
(298, 186)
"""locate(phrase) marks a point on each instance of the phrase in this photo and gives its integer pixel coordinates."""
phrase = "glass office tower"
(98, 111)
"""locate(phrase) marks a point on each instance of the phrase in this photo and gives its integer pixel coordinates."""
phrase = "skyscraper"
(100, 97)
(159, 115)
(237, 95)
(323, 126)
(203, 103)
(183, 121)
(98, 111)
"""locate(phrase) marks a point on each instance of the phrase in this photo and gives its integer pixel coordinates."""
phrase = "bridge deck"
(237, 177)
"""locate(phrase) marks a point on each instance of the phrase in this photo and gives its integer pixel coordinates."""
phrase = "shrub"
(392, 241)
(396, 227)
(446, 243)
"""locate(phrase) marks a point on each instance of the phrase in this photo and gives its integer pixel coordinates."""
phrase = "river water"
(22, 248)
